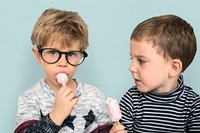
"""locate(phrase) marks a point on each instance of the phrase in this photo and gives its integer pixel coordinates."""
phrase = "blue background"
(110, 25)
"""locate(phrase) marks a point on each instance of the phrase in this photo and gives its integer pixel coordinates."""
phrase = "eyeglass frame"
(40, 50)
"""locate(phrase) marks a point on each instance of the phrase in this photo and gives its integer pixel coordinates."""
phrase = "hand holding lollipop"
(64, 101)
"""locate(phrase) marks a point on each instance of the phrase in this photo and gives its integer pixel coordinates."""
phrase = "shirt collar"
(167, 97)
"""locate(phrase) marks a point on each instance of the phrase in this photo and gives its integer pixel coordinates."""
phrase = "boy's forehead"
(61, 41)
(147, 48)
(142, 46)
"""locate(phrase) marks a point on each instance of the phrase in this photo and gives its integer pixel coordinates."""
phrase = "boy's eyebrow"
(138, 56)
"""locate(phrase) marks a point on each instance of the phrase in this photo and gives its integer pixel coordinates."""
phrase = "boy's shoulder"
(88, 88)
(190, 93)
(34, 90)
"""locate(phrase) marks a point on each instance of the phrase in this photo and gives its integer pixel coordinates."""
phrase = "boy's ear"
(175, 67)
(37, 55)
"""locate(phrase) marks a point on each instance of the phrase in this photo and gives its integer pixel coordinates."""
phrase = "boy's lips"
(61, 72)
(137, 81)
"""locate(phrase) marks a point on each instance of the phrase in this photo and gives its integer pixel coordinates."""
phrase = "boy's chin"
(143, 90)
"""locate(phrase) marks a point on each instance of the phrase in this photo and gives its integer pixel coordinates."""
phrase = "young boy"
(60, 39)
(161, 48)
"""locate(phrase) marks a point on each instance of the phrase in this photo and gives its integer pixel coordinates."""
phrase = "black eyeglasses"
(51, 56)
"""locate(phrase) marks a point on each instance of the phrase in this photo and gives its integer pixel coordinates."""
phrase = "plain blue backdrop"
(110, 25)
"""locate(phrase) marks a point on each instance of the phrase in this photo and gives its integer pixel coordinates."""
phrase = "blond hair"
(67, 24)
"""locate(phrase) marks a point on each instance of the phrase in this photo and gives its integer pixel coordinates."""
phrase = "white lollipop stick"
(62, 78)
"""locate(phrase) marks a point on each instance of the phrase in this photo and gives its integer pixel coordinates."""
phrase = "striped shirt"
(174, 112)
(37, 102)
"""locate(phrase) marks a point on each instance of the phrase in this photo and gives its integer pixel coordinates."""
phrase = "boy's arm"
(44, 125)
(117, 128)
(30, 118)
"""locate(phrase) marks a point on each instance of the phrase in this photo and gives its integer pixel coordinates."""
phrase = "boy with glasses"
(161, 49)
(60, 39)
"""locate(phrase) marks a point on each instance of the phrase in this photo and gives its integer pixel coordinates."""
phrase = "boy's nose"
(132, 67)
(63, 61)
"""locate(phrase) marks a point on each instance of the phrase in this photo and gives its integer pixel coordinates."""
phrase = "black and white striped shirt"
(174, 112)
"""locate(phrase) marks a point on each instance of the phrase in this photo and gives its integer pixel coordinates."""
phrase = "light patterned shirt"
(90, 111)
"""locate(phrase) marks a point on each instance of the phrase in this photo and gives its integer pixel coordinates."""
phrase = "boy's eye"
(53, 52)
(141, 61)
(71, 54)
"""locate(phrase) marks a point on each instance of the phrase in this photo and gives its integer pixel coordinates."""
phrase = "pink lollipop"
(62, 78)
(114, 110)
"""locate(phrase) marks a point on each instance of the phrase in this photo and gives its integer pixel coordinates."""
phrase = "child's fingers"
(63, 90)
(67, 91)
(74, 101)
(68, 95)
(117, 128)
(71, 95)
(118, 131)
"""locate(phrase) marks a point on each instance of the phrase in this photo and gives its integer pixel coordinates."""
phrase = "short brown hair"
(174, 37)
(67, 24)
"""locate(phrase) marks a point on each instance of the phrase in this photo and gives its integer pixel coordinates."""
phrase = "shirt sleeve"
(29, 118)
(28, 108)
(44, 125)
